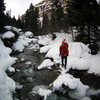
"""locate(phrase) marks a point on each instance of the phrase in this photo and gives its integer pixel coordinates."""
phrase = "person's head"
(63, 43)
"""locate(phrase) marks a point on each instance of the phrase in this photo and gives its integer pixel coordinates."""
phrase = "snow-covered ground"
(23, 41)
(8, 34)
(11, 28)
(79, 57)
(72, 83)
(8, 85)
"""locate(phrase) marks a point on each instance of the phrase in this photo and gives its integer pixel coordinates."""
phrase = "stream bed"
(28, 77)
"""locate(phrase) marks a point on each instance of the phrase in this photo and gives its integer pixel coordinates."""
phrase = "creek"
(28, 77)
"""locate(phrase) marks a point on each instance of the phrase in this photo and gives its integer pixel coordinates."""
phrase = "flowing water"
(28, 77)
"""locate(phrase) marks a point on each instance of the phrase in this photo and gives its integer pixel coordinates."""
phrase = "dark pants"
(64, 58)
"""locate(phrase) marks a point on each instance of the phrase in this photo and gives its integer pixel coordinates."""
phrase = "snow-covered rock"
(42, 91)
(11, 28)
(45, 39)
(20, 45)
(29, 34)
(7, 85)
(45, 49)
(8, 35)
(78, 89)
(46, 64)
(22, 41)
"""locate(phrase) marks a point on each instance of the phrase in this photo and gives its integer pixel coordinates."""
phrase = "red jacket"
(64, 49)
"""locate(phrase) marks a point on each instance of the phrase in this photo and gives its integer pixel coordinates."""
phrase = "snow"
(22, 59)
(7, 85)
(75, 50)
(34, 46)
(22, 42)
(11, 69)
(18, 30)
(44, 93)
(28, 34)
(28, 63)
(45, 40)
(78, 63)
(46, 64)
(5, 60)
(78, 49)
(79, 54)
(28, 71)
(20, 45)
(45, 49)
(42, 90)
(98, 1)
(8, 35)
(52, 46)
(18, 86)
(94, 64)
(73, 83)
(79, 58)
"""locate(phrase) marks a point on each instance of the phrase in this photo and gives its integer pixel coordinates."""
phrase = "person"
(64, 52)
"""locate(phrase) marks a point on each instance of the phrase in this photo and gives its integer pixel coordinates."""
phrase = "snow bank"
(20, 45)
(28, 63)
(5, 59)
(7, 85)
(52, 47)
(33, 46)
(44, 93)
(28, 34)
(8, 35)
(78, 63)
(13, 28)
(45, 49)
(94, 64)
(78, 89)
(22, 41)
(46, 64)
(42, 90)
(75, 50)
(78, 49)
(87, 62)
(45, 39)
(79, 57)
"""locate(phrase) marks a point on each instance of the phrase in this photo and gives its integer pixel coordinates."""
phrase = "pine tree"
(30, 19)
(54, 27)
(19, 23)
(2, 8)
(84, 14)
(60, 15)
(8, 19)
(45, 25)
(57, 16)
